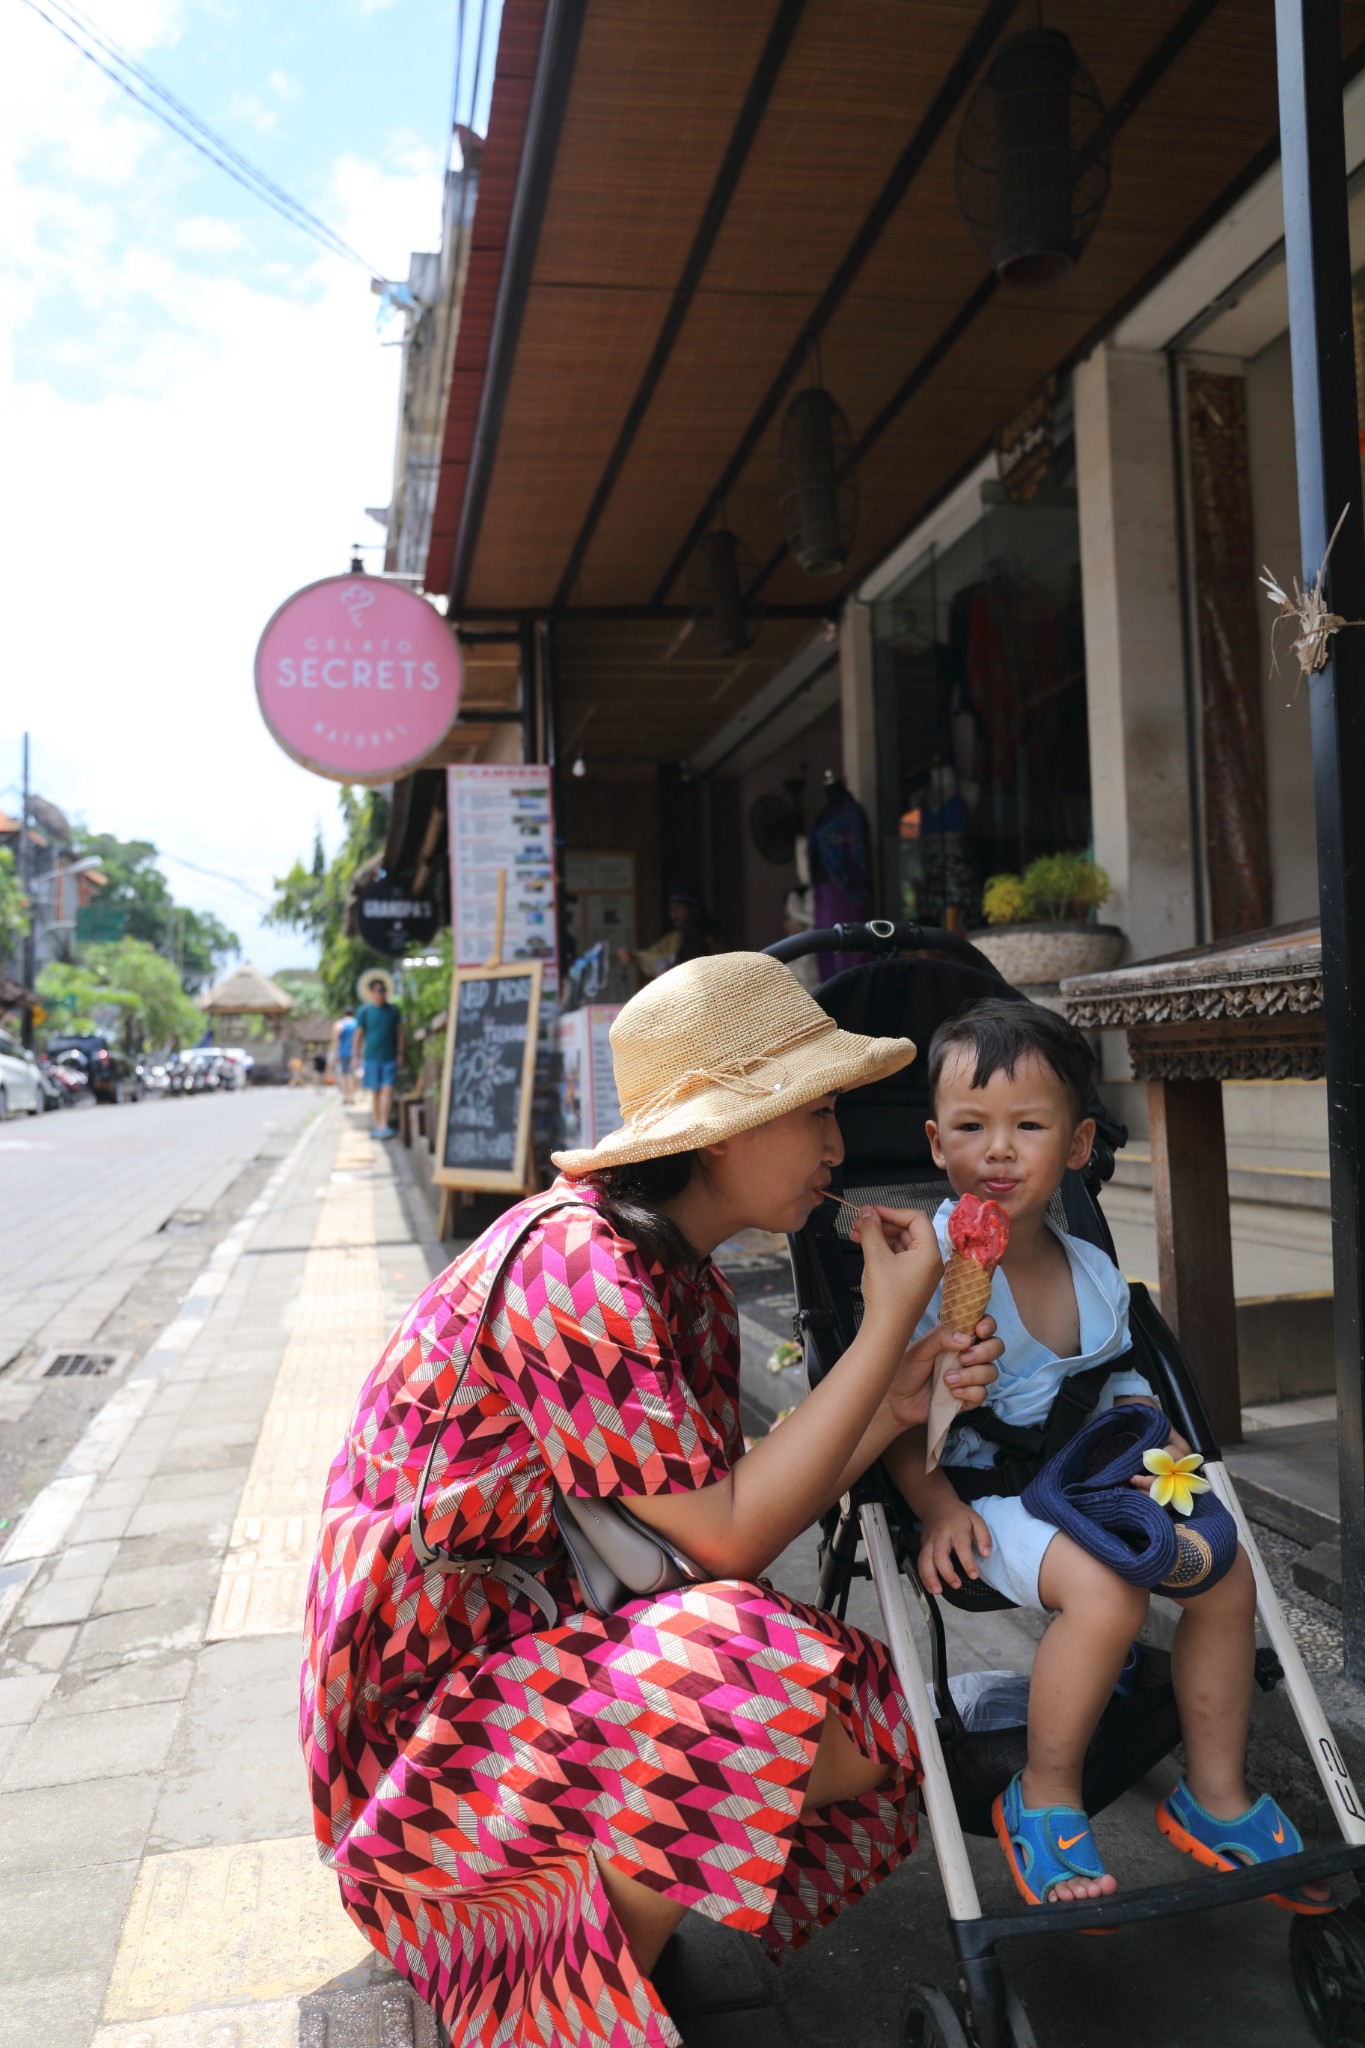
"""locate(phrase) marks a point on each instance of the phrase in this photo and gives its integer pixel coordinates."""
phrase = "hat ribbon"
(752, 1074)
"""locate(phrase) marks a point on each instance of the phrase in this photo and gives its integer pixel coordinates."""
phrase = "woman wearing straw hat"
(521, 1797)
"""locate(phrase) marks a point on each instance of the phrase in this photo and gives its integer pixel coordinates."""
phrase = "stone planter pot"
(1031, 953)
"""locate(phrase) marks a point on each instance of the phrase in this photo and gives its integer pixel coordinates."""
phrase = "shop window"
(980, 674)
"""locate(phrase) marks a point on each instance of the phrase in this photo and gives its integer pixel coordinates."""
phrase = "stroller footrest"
(973, 1938)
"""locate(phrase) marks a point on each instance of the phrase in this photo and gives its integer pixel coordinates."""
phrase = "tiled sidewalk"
(158, 1883)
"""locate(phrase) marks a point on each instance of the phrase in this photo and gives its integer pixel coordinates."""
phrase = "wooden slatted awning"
(726, 182)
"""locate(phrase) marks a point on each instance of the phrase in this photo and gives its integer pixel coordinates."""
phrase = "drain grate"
(79, 1365)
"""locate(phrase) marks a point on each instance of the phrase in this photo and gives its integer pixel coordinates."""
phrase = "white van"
(20, 1087)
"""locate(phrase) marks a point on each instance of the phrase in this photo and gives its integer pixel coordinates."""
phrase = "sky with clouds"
(195, 402)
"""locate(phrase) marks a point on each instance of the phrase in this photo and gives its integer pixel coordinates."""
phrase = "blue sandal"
(1045, 1846)
(1260, 1835)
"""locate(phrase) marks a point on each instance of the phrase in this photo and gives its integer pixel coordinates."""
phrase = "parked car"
(114, 1076)
(20, 1082)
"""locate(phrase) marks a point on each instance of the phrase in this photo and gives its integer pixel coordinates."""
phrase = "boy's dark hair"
(998, 1033)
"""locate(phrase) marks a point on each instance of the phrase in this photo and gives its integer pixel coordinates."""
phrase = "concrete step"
(1289, 1180)
(1287, 1480)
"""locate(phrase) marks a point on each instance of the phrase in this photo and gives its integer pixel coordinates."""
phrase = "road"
(106, 1214)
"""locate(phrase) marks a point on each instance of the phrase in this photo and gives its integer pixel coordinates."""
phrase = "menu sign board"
(489, 1075)
(501, 823)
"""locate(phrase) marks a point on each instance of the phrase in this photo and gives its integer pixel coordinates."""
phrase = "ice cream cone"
(966, 1291)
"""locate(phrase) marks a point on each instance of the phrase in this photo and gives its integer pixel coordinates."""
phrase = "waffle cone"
(966, 1290)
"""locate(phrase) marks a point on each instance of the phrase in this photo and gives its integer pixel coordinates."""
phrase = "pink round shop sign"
(358, 679)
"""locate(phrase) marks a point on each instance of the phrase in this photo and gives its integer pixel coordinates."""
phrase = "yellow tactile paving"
(230, 1927)
(336, 1330)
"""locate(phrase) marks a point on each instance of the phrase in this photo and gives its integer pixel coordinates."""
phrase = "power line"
(215, 874)
(156, 99)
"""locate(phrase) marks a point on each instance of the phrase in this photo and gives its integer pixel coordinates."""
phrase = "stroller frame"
(995, 2018)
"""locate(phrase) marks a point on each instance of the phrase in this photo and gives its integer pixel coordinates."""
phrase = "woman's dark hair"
(629, 1198)
(997, 1033)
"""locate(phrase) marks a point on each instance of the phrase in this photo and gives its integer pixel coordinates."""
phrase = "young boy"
(1009, 1084)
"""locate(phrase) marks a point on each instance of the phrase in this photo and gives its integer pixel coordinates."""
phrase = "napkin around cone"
(966, 1291)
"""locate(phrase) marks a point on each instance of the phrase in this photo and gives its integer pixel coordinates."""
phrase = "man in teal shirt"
(379, 1046)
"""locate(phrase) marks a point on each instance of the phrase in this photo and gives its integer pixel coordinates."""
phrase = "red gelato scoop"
(979, 1230)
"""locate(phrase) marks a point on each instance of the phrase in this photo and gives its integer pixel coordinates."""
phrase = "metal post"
(1326, 434)
(526, 688)
(28, 954)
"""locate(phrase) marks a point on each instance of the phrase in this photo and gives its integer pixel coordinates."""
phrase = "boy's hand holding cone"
(979, 1232)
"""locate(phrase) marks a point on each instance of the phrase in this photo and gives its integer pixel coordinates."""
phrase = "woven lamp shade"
(1033, 160)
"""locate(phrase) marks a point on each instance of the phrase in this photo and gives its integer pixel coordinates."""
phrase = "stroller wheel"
(1327, 1958)
(1021, 2027)
(929, 2020)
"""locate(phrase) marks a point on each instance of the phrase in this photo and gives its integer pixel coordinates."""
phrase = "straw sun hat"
(717, 1046)
(372, 974)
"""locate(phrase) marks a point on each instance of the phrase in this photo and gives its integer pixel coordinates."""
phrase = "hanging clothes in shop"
(948, 892)
(840, 868)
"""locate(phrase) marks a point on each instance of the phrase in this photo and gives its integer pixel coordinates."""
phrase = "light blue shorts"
(1018, 1542)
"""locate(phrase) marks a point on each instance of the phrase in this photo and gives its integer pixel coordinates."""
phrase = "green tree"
(74, 997)
(129, 982)
(137, 887)
(313, 897)
(310, 997)
(13, 905)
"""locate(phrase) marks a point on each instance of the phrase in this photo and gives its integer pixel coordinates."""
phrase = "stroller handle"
(881, 935)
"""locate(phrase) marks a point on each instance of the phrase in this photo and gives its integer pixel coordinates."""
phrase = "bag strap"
(1076, 1401)
(490, 1566)
(1026, 1451)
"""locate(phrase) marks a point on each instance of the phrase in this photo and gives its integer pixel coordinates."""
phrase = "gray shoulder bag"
(614, 1555)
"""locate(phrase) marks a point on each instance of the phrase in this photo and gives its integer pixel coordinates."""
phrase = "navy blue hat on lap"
(1084, 1490)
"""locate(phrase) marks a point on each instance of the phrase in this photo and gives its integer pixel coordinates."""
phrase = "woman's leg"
(645, 1917)
(839, 1771)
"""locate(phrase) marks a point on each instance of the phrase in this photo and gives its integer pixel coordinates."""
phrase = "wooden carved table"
(1245, 1010)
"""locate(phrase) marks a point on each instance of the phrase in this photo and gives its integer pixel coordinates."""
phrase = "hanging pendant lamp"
(1033, 160)
(817, 492)
(715, 589)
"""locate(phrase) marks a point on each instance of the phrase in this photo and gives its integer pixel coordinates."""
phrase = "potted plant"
(1040, 925)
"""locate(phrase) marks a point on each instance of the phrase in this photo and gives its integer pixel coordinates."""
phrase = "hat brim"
(829, 1065)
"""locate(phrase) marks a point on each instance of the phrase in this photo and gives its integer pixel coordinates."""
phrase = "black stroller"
(919, 978)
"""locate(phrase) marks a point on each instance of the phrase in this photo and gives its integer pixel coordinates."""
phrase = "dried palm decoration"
(1316, 624)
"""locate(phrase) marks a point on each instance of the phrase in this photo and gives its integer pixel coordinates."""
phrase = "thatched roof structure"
(247, 992)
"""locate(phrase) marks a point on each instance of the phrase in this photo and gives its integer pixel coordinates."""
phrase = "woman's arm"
(736, 1526)
(972, 1372)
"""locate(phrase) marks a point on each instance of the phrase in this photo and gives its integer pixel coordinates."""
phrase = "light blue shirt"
(1030, 1374)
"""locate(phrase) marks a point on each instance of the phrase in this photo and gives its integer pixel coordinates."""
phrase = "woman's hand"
(970, 1370)
(950, 1537)
(902, 1265)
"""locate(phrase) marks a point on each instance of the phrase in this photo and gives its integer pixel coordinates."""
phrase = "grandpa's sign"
(357, 679)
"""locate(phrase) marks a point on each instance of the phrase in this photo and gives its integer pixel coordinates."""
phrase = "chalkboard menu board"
(489, 1072)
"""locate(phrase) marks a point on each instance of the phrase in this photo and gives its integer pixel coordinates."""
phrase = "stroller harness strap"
(1022, 1452)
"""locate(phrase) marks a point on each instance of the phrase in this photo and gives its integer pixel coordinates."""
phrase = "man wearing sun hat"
(378, 1045)
(521, 1794)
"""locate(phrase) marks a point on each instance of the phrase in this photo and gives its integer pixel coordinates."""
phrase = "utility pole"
(1327, 446)
(25, 870)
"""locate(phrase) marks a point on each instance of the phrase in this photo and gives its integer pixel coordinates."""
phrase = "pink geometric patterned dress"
(467, 1761)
